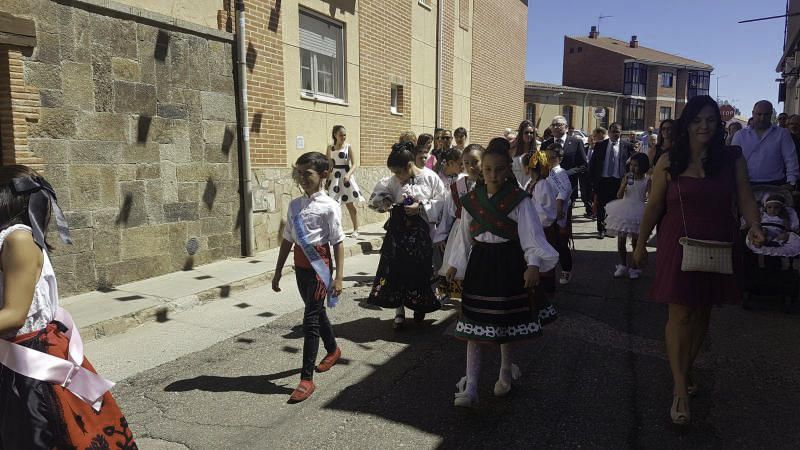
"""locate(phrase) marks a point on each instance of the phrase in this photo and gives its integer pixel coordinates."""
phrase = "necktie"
(613, 169)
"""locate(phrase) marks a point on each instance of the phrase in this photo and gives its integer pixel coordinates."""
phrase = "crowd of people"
(486, 224)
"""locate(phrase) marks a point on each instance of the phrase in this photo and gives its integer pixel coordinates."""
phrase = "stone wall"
(137, 132)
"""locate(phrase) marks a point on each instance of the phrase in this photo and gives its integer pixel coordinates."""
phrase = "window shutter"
(319, 37)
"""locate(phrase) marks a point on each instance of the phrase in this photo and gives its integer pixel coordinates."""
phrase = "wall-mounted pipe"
(246, 183)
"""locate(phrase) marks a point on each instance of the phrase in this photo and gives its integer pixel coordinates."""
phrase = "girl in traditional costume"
(502, 248)
(413, 197)
(50, 395)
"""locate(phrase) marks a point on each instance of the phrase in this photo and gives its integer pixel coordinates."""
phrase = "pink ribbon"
(68, 373)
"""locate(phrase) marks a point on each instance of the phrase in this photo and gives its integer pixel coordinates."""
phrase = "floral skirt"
(495, 306)
(405, 271)
(40, 415)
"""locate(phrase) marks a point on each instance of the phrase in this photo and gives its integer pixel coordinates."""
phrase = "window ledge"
(395, 113)
(424, 5)
(323, 99)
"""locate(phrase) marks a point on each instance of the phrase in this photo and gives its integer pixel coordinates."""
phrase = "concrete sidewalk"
(111, 312)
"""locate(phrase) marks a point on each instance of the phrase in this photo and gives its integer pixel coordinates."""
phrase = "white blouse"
(45, 297)
(531, 238)
(320, 216)
(426, 188)
(464, 185)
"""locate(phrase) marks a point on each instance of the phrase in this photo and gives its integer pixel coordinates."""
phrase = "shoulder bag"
(703, 255)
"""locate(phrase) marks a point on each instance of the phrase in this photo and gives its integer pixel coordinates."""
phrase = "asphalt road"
(598, 378)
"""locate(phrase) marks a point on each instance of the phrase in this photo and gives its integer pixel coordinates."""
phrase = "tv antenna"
(599, 18)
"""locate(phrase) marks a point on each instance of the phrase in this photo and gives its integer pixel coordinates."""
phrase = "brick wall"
(449, 28)
(592, 67)
(265, 91)
(19, 106)
(498, 67)
(384, 59)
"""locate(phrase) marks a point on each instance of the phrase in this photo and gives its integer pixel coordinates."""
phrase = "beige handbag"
(701, 255)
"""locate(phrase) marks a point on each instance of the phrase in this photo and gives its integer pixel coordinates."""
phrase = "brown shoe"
(302, 392)
(329, 360)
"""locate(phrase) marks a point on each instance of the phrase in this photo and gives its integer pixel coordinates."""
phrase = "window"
(665, 113)
(530, 112)
(633, 114)
(580, 49)
(603, 122)
(566, 111)
(635, 79)
(321, 57)
(698, 82)
(397, 100)
(572, 50)
(665, 79)
(425, 3)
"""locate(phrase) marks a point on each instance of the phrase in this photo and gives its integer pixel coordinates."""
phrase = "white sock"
(505, 363)
(399, 312)
(473, 368)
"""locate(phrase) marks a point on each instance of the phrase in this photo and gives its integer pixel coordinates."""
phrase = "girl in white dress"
(624, 216)
(343, 187)
(781, 236)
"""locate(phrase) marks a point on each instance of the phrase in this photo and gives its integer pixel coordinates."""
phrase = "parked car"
(581, 134)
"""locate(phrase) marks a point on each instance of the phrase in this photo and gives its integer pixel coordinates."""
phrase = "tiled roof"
(640, 53)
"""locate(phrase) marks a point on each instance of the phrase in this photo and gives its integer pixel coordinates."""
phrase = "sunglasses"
(445, 138)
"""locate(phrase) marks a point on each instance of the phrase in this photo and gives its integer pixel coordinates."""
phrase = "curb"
(160, 313)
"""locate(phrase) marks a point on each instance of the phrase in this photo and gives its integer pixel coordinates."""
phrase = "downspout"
(439, 61)
(245, 174)
(583, 116)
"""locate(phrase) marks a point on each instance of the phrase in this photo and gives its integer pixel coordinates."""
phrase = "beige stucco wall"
(462, 70)
(202, 12)
(309, 119)
(549, 105)
(423, 67)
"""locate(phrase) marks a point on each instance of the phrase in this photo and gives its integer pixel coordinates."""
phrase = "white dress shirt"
(531, 238)
(426, 188)
(770, 157)
(321, 218)
(611, 164)
(445, 225)
(555, 187)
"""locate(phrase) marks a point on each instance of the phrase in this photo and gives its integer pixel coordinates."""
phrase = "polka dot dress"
(341, 191)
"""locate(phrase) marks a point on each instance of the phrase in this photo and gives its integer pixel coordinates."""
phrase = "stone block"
(95, 152)
(172, 111)
(135, 98)
(93, 186)
(105, 218)
(154, 190)
(135, 269)
(218, 106)
(64, 267)
(215, 154)
(78, 219)
(82, 37)
(82, 241)
(216, 225)
(48, 48)
(107, 248)
(148, 171)
(144, 241)
(51, 98)
(126, 69)
(85, 273)
(42, 76)
(169, 131)
(140, 153)
(126, 172)
(214, 131)
(58, 176)
(198, 63)
(54, 124)
(188, 192)
(78, 85)
(102, 126)
(179, 212)
(220, 83)
(220, 240)
(50, 150)
(103, 78)
(178, 237)
(173, 153)
(133, 208)
(123, 40)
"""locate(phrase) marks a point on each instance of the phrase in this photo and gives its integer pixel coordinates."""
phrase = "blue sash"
(322, 269)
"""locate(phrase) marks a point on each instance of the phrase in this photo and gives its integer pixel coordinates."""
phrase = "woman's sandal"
(501, 389)
(679, 413)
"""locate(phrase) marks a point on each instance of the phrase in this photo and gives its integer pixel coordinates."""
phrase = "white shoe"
(634, 274)
(565, 277)
(462, 397)
(621, 271)
(501, 388)
(354, 234)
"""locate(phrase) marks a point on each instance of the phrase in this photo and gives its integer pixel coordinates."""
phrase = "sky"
(743, 55)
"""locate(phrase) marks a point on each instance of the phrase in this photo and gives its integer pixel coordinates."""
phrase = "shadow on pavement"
(255, 384)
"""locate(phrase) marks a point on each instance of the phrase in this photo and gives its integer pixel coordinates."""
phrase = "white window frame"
(661, 109)
(663, 75)
(425, 4)
(395, 107)
(339, 80)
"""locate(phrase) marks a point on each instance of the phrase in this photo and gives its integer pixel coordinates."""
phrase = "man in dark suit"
(606, 169)
(574, 163)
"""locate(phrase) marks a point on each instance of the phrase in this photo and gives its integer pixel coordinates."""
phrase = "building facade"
(655, 85)
(584, 109)
(789, 64)
(129, 107)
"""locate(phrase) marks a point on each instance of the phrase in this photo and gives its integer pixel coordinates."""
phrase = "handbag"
(703, 255)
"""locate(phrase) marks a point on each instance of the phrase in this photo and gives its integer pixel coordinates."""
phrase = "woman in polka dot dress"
(343, 187)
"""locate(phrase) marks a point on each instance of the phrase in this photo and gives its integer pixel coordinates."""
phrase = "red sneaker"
(329, 360)
(303, 391)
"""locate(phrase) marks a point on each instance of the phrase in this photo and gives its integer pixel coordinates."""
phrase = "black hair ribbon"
(42, 198)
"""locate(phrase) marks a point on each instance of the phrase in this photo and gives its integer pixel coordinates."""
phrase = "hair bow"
(42, 198)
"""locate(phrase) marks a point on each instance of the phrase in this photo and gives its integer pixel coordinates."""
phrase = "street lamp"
(718, 77)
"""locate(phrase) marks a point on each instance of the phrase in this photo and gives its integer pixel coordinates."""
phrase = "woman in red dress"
(703, 180)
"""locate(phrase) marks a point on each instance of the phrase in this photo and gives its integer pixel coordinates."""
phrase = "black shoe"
(419, 316)
(601, 234)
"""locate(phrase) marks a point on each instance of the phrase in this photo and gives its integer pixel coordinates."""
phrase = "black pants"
(586, 191)
(315, 322)
(564, 253)
(606, 192)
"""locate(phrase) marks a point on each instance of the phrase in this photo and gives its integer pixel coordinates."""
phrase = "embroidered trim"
(466, 329)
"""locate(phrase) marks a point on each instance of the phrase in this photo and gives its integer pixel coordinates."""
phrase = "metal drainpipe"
(583, 116)
(248, 236)
(439, 62)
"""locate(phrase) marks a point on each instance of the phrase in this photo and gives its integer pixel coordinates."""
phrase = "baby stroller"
(772, 271)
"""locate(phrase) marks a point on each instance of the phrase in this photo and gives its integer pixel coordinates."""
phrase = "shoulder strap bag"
(703, 255)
